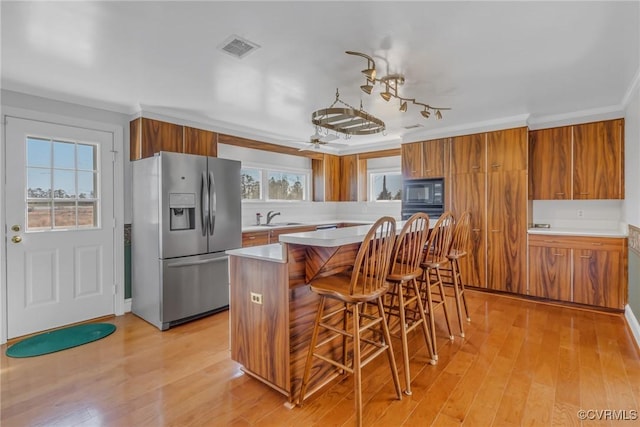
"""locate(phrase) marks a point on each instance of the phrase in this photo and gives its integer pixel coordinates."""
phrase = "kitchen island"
(272, 308)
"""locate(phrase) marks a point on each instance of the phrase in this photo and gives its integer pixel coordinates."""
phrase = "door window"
(62, 185)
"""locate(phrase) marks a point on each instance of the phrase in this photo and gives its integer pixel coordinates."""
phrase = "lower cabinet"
(585, 270)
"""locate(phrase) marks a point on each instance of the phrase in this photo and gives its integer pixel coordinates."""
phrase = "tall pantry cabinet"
(489, 178)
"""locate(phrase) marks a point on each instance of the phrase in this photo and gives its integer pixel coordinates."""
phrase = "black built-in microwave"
(423, 195)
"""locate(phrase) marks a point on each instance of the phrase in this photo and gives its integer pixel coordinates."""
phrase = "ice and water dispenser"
(182, 210)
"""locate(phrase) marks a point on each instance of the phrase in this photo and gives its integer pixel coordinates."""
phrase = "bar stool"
(459, 250)
(403, 299)
(435, 258)
(358, 291)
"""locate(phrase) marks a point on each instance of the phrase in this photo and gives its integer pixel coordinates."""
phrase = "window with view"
(264, 184)
(62, 185)
(385, 186)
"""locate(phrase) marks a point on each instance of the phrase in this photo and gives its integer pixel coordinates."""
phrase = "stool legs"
(458, 289)
(430, 306)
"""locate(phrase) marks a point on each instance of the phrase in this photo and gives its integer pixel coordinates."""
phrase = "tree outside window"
(386, 186)
(286, 186)
(250, 183)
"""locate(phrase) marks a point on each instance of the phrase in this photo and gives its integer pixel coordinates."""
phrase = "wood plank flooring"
(521, 363)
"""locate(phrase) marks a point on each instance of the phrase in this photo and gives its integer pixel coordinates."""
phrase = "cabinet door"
(411, 156)
(468, 193)
(468, 154)
(149, 136)
(202, 142)
(332, 178)
(507, 150)
(255, 238)
(596, 279)
(598, 169)
(550, 272)
(433, 155)
(550, 165)
(349, 178)
(507, 231)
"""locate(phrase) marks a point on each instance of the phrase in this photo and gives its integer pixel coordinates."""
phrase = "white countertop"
(277, 225)
(273, 252)
(590, 232)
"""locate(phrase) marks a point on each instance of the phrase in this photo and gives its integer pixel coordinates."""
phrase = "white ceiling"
(489, 61)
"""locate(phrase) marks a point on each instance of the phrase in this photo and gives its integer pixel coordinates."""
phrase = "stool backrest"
(440, 238)
(460, 242)
(372, 261)
(407, 250)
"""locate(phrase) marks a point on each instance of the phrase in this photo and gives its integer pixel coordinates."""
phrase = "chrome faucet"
(270, 216)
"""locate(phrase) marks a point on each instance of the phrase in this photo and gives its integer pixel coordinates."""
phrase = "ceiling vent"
(417, 125)
(238, 47)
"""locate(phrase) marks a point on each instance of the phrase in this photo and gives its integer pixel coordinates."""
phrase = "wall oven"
(423, 195)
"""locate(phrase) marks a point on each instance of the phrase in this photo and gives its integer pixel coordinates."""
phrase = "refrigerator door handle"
(213, 202)
(204, 204)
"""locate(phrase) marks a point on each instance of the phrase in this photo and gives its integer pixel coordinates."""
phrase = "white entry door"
(60, 235)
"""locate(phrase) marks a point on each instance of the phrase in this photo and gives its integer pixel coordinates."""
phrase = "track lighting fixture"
(391, 83)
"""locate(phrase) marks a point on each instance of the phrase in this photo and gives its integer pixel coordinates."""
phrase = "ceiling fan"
(319, 140)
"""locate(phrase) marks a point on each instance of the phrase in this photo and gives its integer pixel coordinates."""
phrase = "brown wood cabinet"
(489, 179)
(469, 193)
(507, 150)
(468, 154)
(338, 178)
(584, 161)
(349, 174)
(507, 231)
(148, 136)
(550, 157)
(424, 159)
(584, 270)
(198, 141)
(598, 170)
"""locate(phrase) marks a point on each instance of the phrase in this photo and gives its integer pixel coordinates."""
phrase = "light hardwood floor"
(521, 363)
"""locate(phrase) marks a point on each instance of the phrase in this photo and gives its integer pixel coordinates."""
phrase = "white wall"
(594, 214)
(632, 160)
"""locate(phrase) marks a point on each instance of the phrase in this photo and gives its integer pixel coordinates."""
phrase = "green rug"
(60, 339)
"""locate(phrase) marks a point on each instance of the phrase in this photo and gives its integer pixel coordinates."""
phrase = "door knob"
(16, 239)
(15, 228)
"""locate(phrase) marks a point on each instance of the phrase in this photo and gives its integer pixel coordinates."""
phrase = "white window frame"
(382, 171)
(264, 182)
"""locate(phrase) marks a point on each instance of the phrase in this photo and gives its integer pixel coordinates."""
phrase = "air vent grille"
(238, 47)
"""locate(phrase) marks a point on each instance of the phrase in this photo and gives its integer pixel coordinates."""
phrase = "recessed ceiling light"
(237, 46)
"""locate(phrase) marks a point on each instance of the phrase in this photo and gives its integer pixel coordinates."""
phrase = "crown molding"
(584, 116)
(633, 87)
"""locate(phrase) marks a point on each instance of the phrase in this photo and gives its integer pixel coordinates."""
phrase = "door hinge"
(113, 155)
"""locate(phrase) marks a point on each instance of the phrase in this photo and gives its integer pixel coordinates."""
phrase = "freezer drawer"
(192, 286)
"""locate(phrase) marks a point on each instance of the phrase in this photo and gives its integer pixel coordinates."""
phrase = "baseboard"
(127, 306)
(632, 321)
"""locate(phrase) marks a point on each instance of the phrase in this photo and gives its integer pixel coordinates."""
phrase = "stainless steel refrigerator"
(186, 213)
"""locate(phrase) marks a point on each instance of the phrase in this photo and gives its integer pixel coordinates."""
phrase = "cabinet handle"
(585, 256)
(596, 244)
(475, 230)
(252, 237)
(495, 165)
(475, 167)
(551, 241)
(583, 194)
(496, 231)
(558, 254)
(559, 194)
(428, 170)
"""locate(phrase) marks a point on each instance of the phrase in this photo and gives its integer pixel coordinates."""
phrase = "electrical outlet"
(580, 213)
(256, 298)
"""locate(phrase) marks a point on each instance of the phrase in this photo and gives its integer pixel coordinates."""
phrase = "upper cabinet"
(598, 171)
(468, 154)
(338, 178)
(507, 150)
(148, 136)
(550, 159)
(424, 159)
(198, 141)
(578, 162)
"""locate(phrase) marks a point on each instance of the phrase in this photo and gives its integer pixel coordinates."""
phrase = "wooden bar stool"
(459, 250)
(361, 292)
(403, 299)
(435, 258)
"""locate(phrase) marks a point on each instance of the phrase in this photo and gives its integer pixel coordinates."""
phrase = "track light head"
(403, 106)
(425, 113)
(367, 88)
(386, 95)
